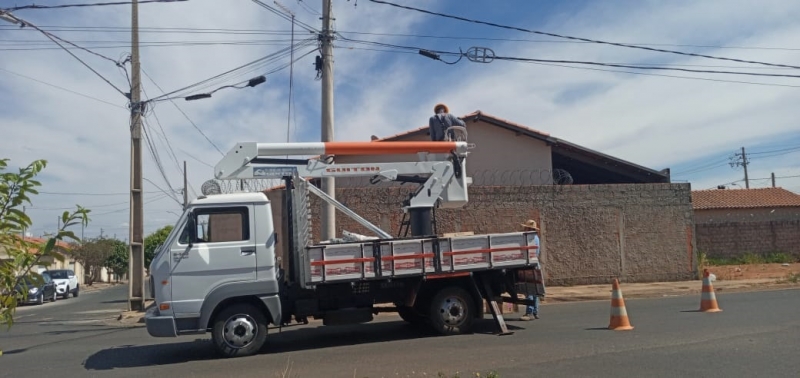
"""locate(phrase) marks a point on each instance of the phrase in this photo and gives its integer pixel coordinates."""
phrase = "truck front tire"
(452, 311)
(239, 330)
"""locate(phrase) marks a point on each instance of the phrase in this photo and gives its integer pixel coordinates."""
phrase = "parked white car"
(65, 281)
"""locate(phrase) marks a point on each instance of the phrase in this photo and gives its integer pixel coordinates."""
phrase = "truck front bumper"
(159, 326)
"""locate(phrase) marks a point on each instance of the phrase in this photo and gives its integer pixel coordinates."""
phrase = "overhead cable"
(582, 39)
(640, 67)
(55, 40)
(34, 6)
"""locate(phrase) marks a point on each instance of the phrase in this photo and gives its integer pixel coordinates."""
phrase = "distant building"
(733, 222)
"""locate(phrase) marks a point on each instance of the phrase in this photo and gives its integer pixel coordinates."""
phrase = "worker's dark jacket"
(440, 122)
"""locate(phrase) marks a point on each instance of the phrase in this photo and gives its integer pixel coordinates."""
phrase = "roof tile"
(744, 198)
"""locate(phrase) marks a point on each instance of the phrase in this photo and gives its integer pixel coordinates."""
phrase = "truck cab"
(222, 249)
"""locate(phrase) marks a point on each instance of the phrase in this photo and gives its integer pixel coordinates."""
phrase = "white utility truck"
(219, 269)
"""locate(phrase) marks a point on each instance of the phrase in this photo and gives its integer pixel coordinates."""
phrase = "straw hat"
(440, 105)
(531, 224)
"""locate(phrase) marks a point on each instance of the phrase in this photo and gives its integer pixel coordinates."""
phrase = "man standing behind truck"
(532, 310)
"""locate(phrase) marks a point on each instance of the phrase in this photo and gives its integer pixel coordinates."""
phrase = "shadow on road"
(292, 340)
(116, 301)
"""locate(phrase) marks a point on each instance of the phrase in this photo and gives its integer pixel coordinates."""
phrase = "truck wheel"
(452, 311)
(239, 330)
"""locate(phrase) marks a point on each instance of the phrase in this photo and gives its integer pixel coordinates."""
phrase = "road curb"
(661, 292)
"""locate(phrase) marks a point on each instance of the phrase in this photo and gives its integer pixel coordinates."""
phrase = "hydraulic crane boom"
(440, 171)
(442, 162)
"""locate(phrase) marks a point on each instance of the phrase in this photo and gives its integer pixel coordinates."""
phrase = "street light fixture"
(250, 83)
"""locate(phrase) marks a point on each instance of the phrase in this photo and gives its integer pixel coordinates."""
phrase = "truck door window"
(218, 225)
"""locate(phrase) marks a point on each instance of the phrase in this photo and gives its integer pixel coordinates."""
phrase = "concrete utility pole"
(773, 179)
(185, 194)
(744, 164)
(328, 184)
(136, 260)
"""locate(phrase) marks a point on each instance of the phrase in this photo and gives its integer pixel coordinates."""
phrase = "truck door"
(216, 247)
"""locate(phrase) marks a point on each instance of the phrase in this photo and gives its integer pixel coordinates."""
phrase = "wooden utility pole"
(136, 260)
(328, 184)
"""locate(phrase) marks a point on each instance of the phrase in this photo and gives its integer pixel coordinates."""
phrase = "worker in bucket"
(440, 121)
(532, 311)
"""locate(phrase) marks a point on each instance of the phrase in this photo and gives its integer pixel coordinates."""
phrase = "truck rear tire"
(452, 311)
(239, 330)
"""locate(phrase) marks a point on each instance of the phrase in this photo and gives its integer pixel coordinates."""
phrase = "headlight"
(34, 290)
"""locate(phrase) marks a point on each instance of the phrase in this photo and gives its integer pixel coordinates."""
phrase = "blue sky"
(691, 126)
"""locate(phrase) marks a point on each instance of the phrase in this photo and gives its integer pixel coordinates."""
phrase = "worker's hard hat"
(440, 105)
(530, 224)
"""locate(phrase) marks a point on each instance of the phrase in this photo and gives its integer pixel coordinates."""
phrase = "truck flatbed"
(429, 257)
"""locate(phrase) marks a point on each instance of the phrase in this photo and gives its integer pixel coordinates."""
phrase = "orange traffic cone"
(708, 300)
(619, 315)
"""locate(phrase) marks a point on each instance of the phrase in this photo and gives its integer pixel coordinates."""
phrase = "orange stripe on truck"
(490, 250)
(387, 148)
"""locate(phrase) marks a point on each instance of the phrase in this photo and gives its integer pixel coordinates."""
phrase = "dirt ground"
(754, 271)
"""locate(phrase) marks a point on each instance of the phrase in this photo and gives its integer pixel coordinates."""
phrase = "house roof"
(565, 153)
(744, 198)
(474, 116)
(59, 243)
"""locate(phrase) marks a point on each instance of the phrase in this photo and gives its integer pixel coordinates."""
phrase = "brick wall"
(734, 239)
(767, 214)
(590, 233)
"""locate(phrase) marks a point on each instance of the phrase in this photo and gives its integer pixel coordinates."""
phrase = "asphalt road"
(757, 334)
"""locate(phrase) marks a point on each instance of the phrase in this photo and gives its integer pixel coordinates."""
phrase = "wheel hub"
(240, 330)
(452, 311)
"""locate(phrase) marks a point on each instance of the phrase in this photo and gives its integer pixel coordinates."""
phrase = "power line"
(640, 67)
(156, 198)
(779, 151)
(90, 194)
(34, 6)
(27, 47)
(265, 60)
(415, 50)
(62, 88)
(702, 168)
(55, 39)
(580, 38)
(285, 17)
(672, 76)
(557, 41)
(157, 160)
(164, 30)
(403, 50)
(145, 30)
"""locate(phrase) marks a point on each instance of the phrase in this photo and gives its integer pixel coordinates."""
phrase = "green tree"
(117, 262)
(152, 242)
(93, 254)
(17, 255)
